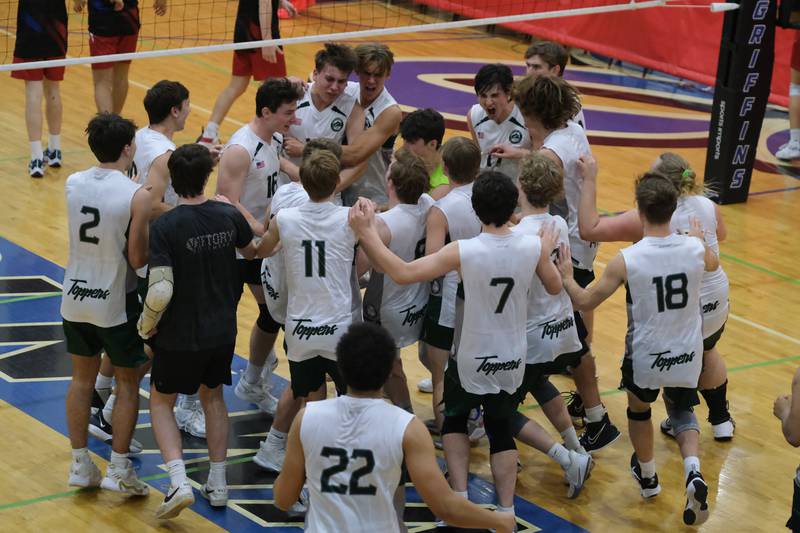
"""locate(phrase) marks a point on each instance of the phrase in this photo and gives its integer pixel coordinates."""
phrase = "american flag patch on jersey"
(480, 135)
(260, 164)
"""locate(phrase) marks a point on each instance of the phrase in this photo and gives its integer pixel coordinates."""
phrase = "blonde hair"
(677, 169)
(541, 179)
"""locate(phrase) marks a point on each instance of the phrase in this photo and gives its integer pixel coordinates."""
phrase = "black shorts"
(683, 398)
(713, 339)
(184, 371)
(250, 271)
(794, 520)
(434, 333)
(582, 277)
(309, 375)
(458, 401)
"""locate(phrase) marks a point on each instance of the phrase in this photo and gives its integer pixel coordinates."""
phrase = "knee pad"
(455, 424)
(794, 89)
(544, 391)
(501, 437)
(518, 422)
(682, 420)
(643, 416)
(265, 322)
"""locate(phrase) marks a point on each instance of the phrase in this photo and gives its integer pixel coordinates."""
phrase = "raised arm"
(287, 487)
(363, 263)
(353, 130)
(587, 299)
(367, 143)
(545, 268)
(710, 258)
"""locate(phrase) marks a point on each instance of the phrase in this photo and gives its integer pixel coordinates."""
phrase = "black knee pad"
(644, 416)
(455, 424)
(500, 433)
(518, 422)
(544, 391)
(265, 322)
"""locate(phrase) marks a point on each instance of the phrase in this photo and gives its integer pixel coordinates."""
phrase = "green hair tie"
(687, 173)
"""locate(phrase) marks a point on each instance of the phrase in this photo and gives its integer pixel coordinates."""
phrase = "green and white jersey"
(489, 133)
(98, 276)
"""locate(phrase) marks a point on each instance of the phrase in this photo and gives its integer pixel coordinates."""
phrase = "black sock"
(97, 400)
(717, 401)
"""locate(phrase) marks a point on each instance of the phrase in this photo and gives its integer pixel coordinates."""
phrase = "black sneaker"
(648, 487)
(101, 429)
(36, 168)
(696, 511)
(575, 408)
(52, 157)
(598, 435)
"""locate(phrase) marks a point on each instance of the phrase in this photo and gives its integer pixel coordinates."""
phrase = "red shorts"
(796, 51)
(38, 74)
(100, 45)
(250, 63)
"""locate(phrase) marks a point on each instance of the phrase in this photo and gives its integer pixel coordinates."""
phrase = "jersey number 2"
(509, 284)
(86, 226)
(354, 489)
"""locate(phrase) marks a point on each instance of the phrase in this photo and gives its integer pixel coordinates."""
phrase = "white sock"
(691, 463)
(570, 437)
(36, 150)
(501, 509)
(596, 413)
(464, 494)
(54, 142)
(80, 454)
(276, 438)
(559, 454)
(648, 468)
(211, 130)
(108, 408)
(103, 382)
(252, 374)
(177, 473)
(794, 135)
(120, 460)
(216, 474)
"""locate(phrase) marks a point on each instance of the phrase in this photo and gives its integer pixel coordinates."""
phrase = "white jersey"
(273, 269)
(462, 223)
(551, 322)
(401, 308)
(328, 123)
(714, 290)
(353, 451)
(489, 133)
(98, 277)
(579, 119)
(372, 184)
(319, 250)
(261, 181)
(569, 143)
(151, 144)
(664, 338)
(497, 272)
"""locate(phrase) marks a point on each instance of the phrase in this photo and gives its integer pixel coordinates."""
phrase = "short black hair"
(189, 167)
(338, 55)
(275, 92)
(162, 97)
(109, 134)
(426, 124)
(494, 197)
(495, 74)
(366, 354)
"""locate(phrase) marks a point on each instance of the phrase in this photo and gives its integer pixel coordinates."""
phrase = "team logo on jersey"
(707, 308)
(664, 362)
(304, 332)
(515, 137)
(337, 124)
(410, 316)
(490, 368)
(552, 329)
(79, 293)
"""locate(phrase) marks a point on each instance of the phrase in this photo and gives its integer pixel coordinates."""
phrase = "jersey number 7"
(509, 284)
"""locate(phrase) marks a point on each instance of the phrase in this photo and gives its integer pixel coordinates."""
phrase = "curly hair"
(541, 179)
(549, 99)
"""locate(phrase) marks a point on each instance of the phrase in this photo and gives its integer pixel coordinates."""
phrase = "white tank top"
(401, 308)
(273, 268)
(319, 250)
(151, 144)
(98, 276)
(551, 326)
(714, 290)
(569, 143)
(497, 272)
(462, 223)
(353, 451)
(511, 131)
(261, 181)
(664, 338)
(372, 184)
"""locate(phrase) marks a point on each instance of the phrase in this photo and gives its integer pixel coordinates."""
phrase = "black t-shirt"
(106, 22)
(199, 242)
(41, 29)
(247, 26)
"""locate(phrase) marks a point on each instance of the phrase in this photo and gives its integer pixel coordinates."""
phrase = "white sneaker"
(191, 419)
(249, 392)
(84, 474)
(724, 432)
(425, 385)
(124, 479)
(580, 466)
(475, 429)
(269, 404)
(216, 496)
(269, 456)
(176, 500)
(790, 150)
